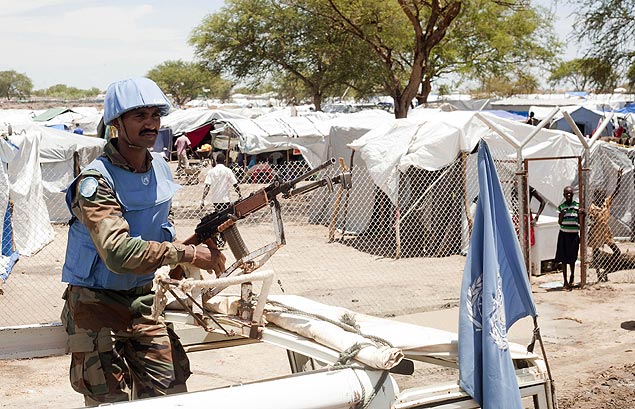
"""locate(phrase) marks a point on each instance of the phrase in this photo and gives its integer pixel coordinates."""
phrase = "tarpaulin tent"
(422, 168)
(196, 123)
(62, 156)
(30, 234)
(47, 160)
(586, 119)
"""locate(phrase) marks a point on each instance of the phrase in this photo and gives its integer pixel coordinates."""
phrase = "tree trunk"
(426, 88)
(402, 105)
(317, 101)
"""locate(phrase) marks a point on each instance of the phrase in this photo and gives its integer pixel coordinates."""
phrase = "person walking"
(220, 180)
(118, 351)
(182, 144)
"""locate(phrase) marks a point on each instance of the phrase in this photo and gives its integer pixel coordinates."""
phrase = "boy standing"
(569, 235)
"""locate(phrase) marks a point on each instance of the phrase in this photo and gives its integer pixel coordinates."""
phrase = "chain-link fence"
(354, 248)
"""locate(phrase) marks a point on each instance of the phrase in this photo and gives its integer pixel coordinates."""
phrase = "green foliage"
(258, 39)
(63, 91)
(494, 39)
(606, 25)
(401, 35)
(185, 81)
(507, 85)
(14, 85)
(370, 47)
(630, 77)
(585, 74)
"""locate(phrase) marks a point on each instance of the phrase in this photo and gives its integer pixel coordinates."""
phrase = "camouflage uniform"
(116, 346)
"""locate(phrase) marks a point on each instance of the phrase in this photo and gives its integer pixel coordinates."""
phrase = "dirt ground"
(589, 336)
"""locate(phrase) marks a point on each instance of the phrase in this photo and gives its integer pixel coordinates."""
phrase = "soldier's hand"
(210, 258)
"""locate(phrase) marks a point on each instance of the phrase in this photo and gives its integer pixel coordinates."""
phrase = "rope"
(160, 297)
(349, 325)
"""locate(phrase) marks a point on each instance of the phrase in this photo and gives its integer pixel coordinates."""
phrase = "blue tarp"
(7, 234)
(628, 109)
(512, 116)
(15, 256)
(58, 126)
(582, 94)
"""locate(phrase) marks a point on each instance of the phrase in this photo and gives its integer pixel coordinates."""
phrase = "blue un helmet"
(126, 95)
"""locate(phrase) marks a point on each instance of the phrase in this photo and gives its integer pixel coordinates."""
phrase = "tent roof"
(59, 146)
(433, 140)
(51, 113)
(188, 120)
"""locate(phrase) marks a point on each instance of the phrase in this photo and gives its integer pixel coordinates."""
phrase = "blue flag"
(495, 293)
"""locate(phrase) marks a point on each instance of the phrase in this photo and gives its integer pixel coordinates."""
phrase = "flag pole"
(544, 357)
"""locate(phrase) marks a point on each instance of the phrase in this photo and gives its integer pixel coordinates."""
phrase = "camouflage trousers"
(117, 350)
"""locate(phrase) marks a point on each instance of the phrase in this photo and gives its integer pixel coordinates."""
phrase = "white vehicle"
(338, 358)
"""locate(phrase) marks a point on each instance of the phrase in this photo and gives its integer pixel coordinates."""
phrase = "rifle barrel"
(312, 172)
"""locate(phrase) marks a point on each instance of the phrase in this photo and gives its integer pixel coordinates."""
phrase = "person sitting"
(532, 120)
(78, 129)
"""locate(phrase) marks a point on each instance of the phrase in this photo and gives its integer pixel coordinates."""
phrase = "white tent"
(435, 139)
(30, 234)
(43, 165)
(187, 120)
(306, 133)
(422, 166)
(62, 155)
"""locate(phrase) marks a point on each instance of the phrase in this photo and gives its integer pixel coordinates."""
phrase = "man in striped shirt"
(569, 213)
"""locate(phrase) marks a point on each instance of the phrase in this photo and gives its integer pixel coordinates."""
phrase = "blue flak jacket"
(145, 199)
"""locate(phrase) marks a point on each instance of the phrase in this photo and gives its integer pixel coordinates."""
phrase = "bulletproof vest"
(145, 200)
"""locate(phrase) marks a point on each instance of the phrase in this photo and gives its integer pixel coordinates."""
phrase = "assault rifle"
(214, 223)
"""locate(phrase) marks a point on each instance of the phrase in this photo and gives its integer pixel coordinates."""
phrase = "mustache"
(149, 131)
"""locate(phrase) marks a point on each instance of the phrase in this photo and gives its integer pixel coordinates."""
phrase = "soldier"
(118, 351)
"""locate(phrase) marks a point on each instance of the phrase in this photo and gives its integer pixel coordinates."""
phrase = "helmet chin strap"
(124, 133)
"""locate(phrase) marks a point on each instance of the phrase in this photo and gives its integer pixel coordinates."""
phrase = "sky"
(88, 43)
(563, 25)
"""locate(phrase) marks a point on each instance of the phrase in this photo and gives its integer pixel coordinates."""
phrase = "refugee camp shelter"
(195, 123)
(38, 164)
(423, 169)
(586, 119)
(62, 156)
(65, 118)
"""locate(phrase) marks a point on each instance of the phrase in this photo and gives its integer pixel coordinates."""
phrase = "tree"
(14, 84)
(185, 81)
(606, 26)
(506, 85)
(491, 40)
(260, 39)
(630, 76)
(63, 91)
(585, 74)
(401, 35)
